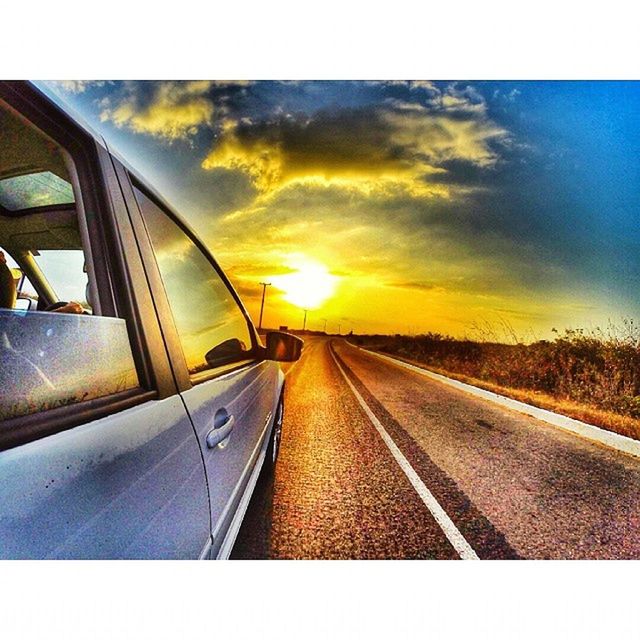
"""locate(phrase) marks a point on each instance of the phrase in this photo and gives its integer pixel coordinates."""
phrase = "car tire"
(273, 448)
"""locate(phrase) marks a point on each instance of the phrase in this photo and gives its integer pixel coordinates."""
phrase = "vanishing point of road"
(378, 461)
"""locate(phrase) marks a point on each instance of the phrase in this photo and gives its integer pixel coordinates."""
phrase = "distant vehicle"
(137, 401)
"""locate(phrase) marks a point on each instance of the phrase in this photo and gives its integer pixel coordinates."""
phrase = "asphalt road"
(427, 471)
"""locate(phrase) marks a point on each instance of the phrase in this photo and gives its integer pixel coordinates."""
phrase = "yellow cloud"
(262, 161)
(392, 149)
(274, 164)
(440, 138)
(174, 110)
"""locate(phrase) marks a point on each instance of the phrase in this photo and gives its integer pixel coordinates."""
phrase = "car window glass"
(52, 351)
(212, 328)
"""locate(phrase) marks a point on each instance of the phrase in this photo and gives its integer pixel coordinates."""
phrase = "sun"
(309, 285)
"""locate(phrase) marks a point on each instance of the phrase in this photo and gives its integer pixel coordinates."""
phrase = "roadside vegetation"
(590, 375)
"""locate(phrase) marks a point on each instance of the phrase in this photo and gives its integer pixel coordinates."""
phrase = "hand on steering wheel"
(66, 307)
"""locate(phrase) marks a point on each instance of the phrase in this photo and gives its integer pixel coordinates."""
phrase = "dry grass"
(590, 376)
(608, 420)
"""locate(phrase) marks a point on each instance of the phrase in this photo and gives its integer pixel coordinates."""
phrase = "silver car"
(137, 402)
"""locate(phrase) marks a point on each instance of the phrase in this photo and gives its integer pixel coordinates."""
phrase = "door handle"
(218, 434)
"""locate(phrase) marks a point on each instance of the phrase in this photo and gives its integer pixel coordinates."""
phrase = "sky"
(398, 206)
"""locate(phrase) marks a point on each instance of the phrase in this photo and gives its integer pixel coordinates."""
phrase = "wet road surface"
(509, 486)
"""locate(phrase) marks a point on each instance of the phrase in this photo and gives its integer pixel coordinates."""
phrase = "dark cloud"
(371, 147)
(419, 286)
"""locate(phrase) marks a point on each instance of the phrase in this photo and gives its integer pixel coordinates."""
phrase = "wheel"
(276, 436)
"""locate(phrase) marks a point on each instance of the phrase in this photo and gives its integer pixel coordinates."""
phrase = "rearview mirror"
(283, 347)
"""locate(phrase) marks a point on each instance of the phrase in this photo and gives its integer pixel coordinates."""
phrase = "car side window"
(213, 330)
(54, 351)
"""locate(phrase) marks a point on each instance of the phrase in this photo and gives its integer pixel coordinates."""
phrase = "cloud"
(384, 148)
(463, 98)
(410, 284)
(76, 86)
(424, 85)
(169, 110)
(435, 137)
(232, 83)
(413, 85)
(343, 148)
(507, 96)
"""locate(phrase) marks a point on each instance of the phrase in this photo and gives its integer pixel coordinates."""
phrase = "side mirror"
(283, 347)
(24, 304)
(226, 352)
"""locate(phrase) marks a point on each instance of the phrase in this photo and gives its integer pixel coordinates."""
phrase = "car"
(138, 404)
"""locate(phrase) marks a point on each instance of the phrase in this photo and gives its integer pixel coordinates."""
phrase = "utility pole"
(304, 324)
(339, 332)
(264, 289)
(325, 325)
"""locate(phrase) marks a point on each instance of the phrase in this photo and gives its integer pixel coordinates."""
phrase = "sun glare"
(308, 286)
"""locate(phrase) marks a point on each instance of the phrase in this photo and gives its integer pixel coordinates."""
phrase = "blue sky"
(435, 205)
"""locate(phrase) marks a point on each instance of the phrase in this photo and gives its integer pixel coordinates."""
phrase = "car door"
(98, 456)
(229, 394)
(128, 485)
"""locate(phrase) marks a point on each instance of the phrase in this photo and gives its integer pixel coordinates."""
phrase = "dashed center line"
(457, 540)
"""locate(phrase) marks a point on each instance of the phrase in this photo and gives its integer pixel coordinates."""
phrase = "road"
(424, 470)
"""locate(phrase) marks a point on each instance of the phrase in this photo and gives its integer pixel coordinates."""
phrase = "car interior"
(46, 309)
(39, 232)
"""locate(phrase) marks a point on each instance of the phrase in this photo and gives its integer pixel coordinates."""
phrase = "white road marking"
(463, 548)
(583, 429)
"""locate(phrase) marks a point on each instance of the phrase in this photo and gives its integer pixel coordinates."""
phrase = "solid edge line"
(577, 427)
(457, 540)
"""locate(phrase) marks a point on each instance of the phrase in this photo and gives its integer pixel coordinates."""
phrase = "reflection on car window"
(212, 328)
(51, 360)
